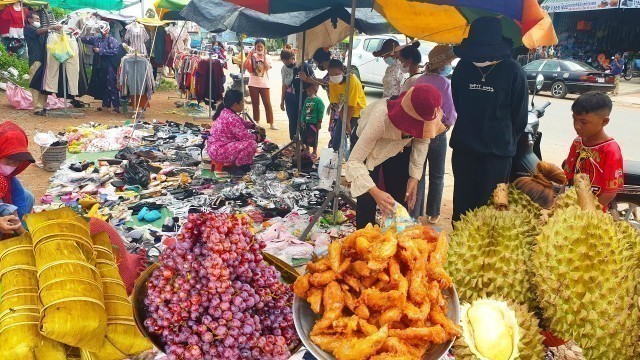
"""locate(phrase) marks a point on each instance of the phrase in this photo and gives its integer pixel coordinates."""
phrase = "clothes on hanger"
(205, 81)
(180, 36)
(136, 76)
(46, 17)
(117, 30)
(13, 19)
(136, 37)
(159, 54)
(53, 69)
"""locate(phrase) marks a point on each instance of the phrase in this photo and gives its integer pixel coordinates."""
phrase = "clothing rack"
(65, 112)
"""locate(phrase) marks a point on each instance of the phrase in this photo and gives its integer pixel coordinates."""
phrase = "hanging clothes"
(136, 76)
(206, 79)
(15, 16)
(136, 37)
(117, 30)
(180, 37)
(53, 69)
(159, 53)
(168, 51)
(46, 17)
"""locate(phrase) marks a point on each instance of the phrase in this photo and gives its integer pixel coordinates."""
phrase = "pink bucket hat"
(417, 112)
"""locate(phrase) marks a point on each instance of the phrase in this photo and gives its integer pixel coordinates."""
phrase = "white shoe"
(273, 127)
(433, 219)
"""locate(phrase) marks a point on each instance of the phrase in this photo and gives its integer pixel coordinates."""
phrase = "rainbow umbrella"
(441, 21)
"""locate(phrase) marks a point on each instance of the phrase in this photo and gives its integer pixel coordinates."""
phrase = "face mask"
(36, 24)
(448, 69)
(215, 47)
(404, 69)
(6, 170)
(337, 79)
(389, 61)
(259, 52)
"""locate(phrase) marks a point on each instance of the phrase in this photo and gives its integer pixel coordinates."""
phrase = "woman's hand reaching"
(411, 194)
(385, 201)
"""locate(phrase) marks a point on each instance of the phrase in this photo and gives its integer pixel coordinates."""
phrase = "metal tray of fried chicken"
(305, 318)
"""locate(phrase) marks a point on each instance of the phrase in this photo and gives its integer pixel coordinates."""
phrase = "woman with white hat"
(393, 135)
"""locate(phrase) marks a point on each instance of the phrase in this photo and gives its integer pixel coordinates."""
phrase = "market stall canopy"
(27, 2)
(153, 22)
(287, 6)
(95, 4)
(212, 14)
(170, 9)
(578, 5)
(522, 20)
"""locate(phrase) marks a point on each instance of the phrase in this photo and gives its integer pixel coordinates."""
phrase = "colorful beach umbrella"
(442, 21)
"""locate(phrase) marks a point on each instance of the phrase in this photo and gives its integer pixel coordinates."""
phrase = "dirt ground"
(162, 104)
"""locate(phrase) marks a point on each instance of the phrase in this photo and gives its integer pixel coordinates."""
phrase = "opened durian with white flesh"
(585, 269)
(490, 250)
(498, 330)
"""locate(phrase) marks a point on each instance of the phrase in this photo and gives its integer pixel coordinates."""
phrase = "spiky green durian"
(489, 254)
(520, 201)
(585, 271)
(515, 319)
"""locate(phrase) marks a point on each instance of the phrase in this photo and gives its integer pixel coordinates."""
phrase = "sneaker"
(42, 112)
(433, 219)
(273, 127)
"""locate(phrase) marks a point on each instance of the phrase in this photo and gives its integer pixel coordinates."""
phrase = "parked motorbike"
(236, 84)
(626, 205)
(631, 69)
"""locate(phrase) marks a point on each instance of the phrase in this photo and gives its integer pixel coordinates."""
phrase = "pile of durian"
(573, 272)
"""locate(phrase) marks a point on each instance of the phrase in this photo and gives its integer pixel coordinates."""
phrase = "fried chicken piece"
(346, 325)
(367, 282)
(352, 281)
(392, 356)
(328, 342)
(385, 249)
(414, 313)
(377, 265)
(323, 278)
(395, 345)
(302, 285)
(362, 311)
(433, 293)
(314, 297)
(379, 300)
(435, 268)
(360, 268)
(363, 246)
(434, 334)
(361, 348)
(333, 302)
(318, 266)
(349, 243)
(344, 266)
(366, 328)
(390, 315)
(383, 277)
(417, 289)
(335, 256)
(437, 316)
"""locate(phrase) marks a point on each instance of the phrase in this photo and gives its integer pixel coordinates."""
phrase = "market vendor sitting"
(15, 201)
(232, 141)
(393, 135)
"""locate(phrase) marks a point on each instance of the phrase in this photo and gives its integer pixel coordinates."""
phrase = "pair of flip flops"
(149, 215)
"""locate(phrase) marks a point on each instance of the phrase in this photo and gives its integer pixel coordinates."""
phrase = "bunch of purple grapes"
(213, 296)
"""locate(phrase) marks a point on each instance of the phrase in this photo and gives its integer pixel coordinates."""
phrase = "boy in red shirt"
(593, 152)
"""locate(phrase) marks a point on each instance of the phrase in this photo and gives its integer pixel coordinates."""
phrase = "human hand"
(55, 27)
(411, 194)
(96, 50)
(282, 105)
(9, 224)
(385, 201)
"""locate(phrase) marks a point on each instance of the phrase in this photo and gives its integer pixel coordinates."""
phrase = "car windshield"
(577, 66)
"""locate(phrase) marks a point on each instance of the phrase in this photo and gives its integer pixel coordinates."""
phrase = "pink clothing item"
(258, 67)
(230, 143)
(22, 99)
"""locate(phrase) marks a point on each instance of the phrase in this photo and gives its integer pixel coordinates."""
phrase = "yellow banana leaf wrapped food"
(123, 338)
(20, 306)
(73, 310)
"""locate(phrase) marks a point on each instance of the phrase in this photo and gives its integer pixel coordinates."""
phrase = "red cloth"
(202, 80)
(13, 140)
(12, 19)
(4, 25)
(603, 164)
(129, 265)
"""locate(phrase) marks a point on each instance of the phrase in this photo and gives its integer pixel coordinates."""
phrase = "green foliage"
(7, 61)
(167, 85)
(58, 13)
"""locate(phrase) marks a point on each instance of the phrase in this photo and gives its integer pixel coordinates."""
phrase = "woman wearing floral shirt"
(393, 76)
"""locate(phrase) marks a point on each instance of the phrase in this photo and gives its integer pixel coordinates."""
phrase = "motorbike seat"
(632, 172)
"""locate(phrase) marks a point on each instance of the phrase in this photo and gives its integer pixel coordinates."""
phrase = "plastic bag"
(61, 50)
(399, 218)
(137, 173)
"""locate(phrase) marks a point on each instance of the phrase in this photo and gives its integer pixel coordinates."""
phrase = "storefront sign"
(581, 5)
(628, 4)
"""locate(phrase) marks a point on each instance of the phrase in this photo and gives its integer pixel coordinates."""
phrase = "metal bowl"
(304, 319)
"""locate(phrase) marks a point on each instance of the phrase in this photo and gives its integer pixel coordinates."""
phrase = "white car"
(370, 69)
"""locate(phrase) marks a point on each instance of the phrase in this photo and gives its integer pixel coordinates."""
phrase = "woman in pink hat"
(393, 135)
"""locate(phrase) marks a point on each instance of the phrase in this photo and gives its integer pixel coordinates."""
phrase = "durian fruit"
(569, 199)
(520, 201)
(490, 250)
(585, 271)
(493, 329)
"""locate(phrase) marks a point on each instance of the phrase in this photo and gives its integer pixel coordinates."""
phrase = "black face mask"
(291, 66)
